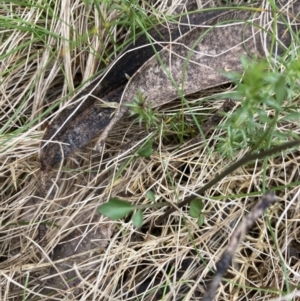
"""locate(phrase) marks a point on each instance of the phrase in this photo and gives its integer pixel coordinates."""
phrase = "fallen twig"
(222, 266)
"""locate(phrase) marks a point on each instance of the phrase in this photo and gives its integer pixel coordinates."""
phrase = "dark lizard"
(92, 117)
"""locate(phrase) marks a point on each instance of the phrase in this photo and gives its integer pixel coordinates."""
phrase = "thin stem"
(246, 159)
(156, 205)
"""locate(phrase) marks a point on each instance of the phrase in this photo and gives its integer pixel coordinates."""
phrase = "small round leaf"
(196, 207)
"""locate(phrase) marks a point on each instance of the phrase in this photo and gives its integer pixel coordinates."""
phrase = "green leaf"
(150, 195)
(200, 220)
(196, 207)
(115, 208)
(146, 151)
(137, 218)
(291, 117)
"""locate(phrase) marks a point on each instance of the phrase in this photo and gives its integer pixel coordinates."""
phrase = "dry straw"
(49, 49)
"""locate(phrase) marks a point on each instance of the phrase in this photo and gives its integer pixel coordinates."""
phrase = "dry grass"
(46, 52)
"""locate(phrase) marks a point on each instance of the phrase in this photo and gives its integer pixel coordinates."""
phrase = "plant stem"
(156, 205)
(246, 159)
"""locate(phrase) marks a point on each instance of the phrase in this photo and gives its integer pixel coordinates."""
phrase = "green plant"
(116, 209)
(266, 98)
(195, 211)
(145, 114)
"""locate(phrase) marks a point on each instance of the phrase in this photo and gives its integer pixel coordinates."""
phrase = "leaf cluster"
(266, 98)
(116, 209)
(143, 111)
